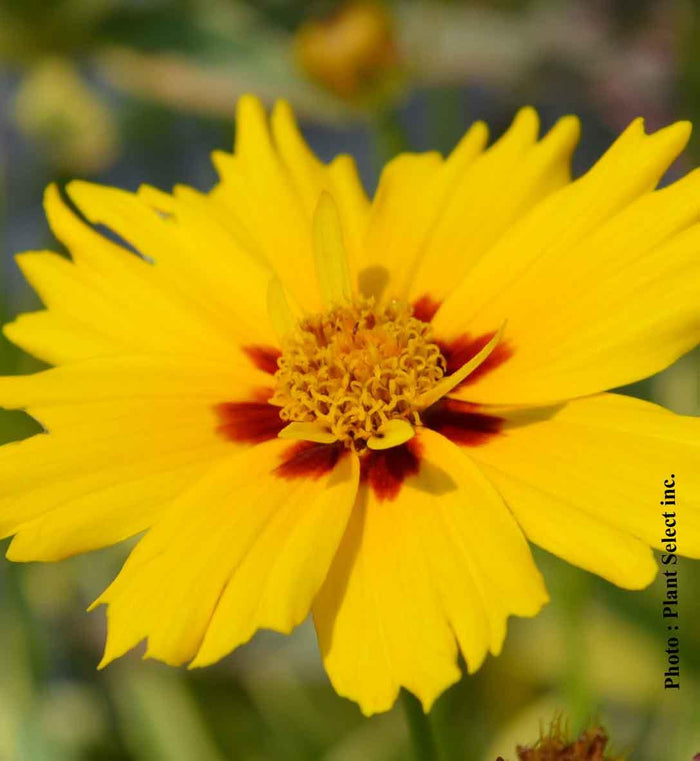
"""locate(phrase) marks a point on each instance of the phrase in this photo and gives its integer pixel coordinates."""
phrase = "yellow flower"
(314, 402)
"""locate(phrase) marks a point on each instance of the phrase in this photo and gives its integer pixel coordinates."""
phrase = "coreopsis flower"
(314, 402)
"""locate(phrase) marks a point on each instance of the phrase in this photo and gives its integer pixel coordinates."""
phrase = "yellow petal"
(212, 550)
(432, 220)
(412, 193)
(484, 200)
(95, 513)
(394, 433)
(126, 436)
(104, 473)
(274, 585)
(585, 480)
(398, 219)
(91, 311)
(281, 315)
(331, 259)
(306, 170)
(99, 303)
(228, 295)
(444, 559)
(347, 191)
(208, 205)
(57, 338)
(312, 179)
(127, 378)
(157, 199)
(271, 188)
(598, 283)
(257, 190)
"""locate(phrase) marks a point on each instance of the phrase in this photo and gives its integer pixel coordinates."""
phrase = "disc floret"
(357, 367)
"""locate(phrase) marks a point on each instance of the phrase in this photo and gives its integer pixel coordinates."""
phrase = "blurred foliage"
(289, 14)
(130, 91)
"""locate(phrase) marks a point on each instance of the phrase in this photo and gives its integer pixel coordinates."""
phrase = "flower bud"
(351, 53)
(55, 107)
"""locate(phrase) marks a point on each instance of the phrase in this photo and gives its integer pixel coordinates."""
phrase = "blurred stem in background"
(390, 137)
(446, 119)
(579, 697)
(689, 79)
(159, 716)
(420, 728)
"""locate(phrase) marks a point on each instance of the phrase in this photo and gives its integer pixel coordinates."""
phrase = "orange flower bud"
(351, 53)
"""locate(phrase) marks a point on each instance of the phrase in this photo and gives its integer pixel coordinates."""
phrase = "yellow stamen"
(357, 373)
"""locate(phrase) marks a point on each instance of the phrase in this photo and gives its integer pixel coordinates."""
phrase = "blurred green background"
(131, 91)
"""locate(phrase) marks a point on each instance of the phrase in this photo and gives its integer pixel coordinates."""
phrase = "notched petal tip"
(669, 141)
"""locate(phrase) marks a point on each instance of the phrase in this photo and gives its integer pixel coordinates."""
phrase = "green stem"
(580, 696)
(446, 120)
(419, 726)
(390, 135)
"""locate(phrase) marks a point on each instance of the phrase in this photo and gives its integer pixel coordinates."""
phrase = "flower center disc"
(355, 368)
